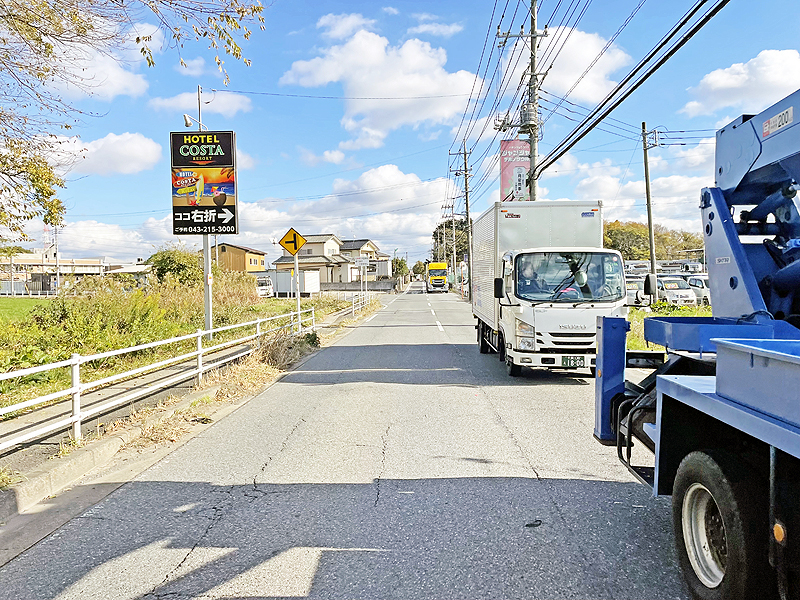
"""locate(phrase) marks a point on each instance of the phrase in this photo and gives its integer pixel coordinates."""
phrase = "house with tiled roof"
(335, 258)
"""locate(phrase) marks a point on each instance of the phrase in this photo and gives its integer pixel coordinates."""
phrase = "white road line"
(439, 325)
(370, 319)
(433, 313)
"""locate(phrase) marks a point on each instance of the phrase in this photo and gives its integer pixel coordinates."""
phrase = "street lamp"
(187, 120)
(207, 279)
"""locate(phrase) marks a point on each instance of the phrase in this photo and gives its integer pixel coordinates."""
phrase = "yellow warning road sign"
(292, 241)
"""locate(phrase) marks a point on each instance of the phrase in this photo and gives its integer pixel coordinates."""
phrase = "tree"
(632, 240)
(419, 268)
(175, 261)
(399, 266)
(443, 241)
(44, 45)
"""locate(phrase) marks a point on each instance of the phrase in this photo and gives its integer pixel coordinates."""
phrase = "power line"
(313, 97)
(623, 89)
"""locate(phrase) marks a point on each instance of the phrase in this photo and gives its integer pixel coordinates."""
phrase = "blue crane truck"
(717, 424)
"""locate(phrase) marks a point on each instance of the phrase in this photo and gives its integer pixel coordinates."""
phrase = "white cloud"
(367, 66)
(578, 52)
(194, 67)
(699, 158)
(91, 239)
(125, 154)
(480, 128)
(106, 74)
(339, 27)
(389, 10)
(244, 161)
(750, 86)
(335, 157)
(394, 209)
(674, 199)
(227, 104)
(439, 29)
(421, 17)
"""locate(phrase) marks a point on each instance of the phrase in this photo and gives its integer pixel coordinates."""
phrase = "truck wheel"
(483, 345)
(720, 516)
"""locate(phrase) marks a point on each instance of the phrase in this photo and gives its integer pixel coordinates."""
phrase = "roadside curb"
(49, 479)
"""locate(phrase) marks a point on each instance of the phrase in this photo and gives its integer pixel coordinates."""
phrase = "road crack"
(384, 445)
(284, 444)
(217, 511)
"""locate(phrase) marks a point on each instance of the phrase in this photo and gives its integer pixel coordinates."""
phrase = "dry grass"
(235, 381)
(9, 477)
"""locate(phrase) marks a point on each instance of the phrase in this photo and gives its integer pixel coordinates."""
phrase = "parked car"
(264, 287)
(699, 285)
(633, 287)
(676, 290)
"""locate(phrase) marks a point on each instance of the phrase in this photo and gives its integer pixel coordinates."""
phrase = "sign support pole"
(297, 290)
(207, 281)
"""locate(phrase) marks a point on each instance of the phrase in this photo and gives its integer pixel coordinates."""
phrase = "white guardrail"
(298, 323)
(360, 301)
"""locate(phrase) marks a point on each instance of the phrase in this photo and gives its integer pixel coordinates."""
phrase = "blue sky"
(380, 169)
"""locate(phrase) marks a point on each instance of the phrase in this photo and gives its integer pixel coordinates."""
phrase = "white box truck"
(540, 279)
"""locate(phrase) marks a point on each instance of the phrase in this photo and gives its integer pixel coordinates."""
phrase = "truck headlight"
(525, 343)
(524, 328)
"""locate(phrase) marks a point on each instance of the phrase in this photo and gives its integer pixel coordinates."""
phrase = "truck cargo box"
(516, 225)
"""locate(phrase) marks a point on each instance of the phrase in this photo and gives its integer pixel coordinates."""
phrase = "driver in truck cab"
(528, 281)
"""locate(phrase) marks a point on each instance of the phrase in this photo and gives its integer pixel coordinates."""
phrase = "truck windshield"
(437, 273)
(569, 276)
(676, 284)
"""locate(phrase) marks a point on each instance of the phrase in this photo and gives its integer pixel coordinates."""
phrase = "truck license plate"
(572, 361)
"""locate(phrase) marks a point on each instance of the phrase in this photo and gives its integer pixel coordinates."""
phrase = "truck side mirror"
(650, 284)
(499, 285)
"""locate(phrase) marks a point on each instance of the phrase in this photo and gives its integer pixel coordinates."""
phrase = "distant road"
(397, 463)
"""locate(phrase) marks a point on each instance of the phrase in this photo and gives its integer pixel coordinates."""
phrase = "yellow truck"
(436, 277)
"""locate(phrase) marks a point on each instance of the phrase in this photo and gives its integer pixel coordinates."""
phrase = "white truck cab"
(550, 299)
(541, 278)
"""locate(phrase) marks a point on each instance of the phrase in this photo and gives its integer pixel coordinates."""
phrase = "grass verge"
(636, 316)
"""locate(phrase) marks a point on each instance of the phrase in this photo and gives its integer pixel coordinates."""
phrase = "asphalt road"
(397, 463)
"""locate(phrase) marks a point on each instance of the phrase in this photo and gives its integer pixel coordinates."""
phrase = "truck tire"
(720, 520)
(483, 345)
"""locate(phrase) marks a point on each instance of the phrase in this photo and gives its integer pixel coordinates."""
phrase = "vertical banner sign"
(514, 166)
(203, 182)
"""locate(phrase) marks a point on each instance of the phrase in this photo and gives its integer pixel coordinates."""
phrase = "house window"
(224, 249)
(262, 262)
(309, 251)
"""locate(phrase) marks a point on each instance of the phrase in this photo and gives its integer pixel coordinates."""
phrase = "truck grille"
(556, 340)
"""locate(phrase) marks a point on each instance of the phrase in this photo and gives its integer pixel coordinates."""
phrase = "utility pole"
(648, 143)
(467, 175)
(453, 221)
(58, 264)
(529, 111)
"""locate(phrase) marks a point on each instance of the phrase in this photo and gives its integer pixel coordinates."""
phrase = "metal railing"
(294, 322)
(360, 301)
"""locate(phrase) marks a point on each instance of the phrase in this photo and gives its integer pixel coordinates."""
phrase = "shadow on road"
(394, 538)
(422, 364)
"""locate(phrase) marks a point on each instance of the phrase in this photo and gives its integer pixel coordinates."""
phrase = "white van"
(264, 287)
